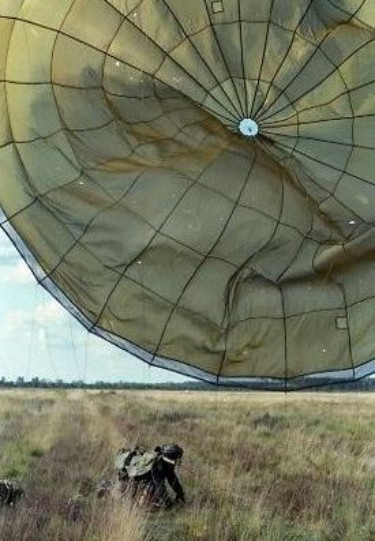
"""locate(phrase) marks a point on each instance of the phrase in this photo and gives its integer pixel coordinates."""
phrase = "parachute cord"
(31, 347)
(85, 360)
(285, 406)
(73, 349)
(216, 408)
(356, 400)
(46, 344)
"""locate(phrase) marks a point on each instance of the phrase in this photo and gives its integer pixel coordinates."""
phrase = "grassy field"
(257, 466)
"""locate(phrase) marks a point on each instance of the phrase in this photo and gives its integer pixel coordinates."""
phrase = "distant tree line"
(324, 384)
(41, 383)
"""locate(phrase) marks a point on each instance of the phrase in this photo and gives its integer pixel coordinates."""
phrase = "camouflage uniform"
(146, 476)
(10, 492)
(151, 488)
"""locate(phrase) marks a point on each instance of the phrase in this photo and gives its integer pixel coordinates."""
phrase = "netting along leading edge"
(318, 379)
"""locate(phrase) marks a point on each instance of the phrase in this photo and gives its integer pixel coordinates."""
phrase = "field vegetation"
(257, 466)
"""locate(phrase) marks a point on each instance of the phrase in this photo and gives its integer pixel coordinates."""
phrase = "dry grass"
(257, 466)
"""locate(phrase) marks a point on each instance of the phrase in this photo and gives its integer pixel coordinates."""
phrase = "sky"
(39, 338)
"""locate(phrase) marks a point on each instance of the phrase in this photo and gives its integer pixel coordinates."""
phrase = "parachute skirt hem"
(305, 381)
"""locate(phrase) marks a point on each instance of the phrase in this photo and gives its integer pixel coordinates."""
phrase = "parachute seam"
(14, 146)
(78, 240)
(294, 33)
(248, 260)
(296, 150)
(279, 123)
(293, 315)
(188, 283)
(320, 187)
(335, 68)
(212, 26)
(97, 49)
(227, 308)
(166, 54)
(242, 57)
(39, 197)
(143, 251)
(272, 4)
(339, 143)
(187, 369)
(259, 381)
(341, 288)
(352, 16)
(331, 195)
(188, 38)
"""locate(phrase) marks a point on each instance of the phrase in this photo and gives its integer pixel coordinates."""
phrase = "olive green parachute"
(195, 180)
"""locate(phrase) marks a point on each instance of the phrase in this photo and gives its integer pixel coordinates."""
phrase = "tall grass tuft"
(256, 467)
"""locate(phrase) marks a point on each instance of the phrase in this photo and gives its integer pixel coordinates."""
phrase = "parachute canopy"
(194, 180)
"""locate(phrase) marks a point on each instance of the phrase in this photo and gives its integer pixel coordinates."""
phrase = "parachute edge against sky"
(207, 210)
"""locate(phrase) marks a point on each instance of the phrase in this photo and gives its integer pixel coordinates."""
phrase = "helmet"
(171, 452)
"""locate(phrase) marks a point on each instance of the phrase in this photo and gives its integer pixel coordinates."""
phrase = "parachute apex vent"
(248, 127)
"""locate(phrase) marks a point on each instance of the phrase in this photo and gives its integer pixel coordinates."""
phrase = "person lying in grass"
(146, 475)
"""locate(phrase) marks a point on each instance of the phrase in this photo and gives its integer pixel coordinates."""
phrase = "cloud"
(49, 313)
(44, 315)
(14, 320)
(13, 269)
(17, 273)
(8, 253)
